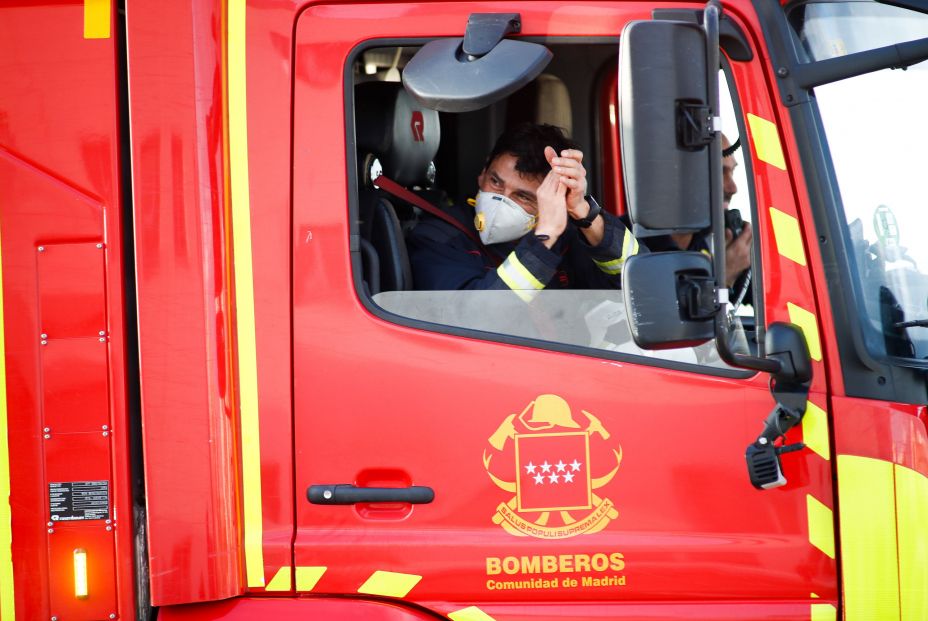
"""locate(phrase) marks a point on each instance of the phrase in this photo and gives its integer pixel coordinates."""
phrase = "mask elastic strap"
(392, 187)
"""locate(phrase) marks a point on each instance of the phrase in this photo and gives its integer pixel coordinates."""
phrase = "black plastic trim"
(143, 608)
(347, 494)
(353, 177)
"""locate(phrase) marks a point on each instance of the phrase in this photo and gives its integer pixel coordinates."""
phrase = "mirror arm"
(729, 357)
(768, 365)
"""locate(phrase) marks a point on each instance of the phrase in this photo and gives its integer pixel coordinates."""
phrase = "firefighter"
(532, 225)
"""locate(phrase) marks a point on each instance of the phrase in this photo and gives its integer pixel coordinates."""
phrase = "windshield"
(877, 131)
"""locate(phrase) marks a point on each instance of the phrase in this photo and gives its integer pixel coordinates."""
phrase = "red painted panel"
(74, 385)
(687, 522)
(60, 174)
(98, 544)
(77, 457)
(72, 299)
(182, 275)
(293, 610)
(889, 431)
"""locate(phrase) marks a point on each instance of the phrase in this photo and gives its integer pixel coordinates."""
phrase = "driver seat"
(398, 138)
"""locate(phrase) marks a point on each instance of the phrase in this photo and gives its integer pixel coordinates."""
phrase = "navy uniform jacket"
(444, 258)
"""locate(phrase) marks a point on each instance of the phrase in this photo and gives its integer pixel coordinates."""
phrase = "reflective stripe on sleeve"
(518, 278)
(613, 267)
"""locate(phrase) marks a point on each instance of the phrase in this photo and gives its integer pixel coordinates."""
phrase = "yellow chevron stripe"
(911, 517)
(766, 141)
(280, 581)
(308, 577)
(389, 584)
(869, 559)
(823, 612)
(806, 320)
(244, 297)
(787, 236)
(821, 526)
(7, 601)
(470, 614)
(815, 430)
(97, 19)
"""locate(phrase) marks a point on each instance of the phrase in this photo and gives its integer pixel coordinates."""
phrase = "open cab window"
(437, 157)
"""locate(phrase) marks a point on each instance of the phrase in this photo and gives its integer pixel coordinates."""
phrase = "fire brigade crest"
(553, 465)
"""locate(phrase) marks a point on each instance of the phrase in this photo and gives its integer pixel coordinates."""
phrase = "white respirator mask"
(499, 219)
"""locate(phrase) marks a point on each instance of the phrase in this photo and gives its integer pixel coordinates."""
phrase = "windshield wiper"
(915, 323)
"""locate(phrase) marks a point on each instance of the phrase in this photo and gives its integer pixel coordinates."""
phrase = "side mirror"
(665, 126)
(669, 299)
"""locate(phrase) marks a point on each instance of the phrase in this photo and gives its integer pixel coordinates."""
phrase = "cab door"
(595, 481)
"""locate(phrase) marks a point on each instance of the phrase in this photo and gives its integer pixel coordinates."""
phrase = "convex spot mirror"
(664, 126)
(669, 299)
(461, 75)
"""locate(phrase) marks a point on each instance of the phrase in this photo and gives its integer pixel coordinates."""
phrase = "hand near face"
(569, 165)
(552, 208)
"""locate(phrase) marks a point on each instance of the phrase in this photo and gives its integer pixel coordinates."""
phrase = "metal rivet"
(112, 615)
(44, 335)
(109, 521)
(103, 339)
(47, 429)
(54, 618)
(102, 333)
(99, 245)
(762, 440)
(42, 249)
(51, 530)
(47, 436)
(50, 524)
(105, 427)
(106, 433)
(109, 528)
(44, 342)
(327, 494)
(782, 72)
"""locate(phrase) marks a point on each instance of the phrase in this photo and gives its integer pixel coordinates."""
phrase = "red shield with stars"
(553, 471)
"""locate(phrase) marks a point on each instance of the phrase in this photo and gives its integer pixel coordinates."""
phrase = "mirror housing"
(670, 299)
(461, 75)
(665, 126)
(786, 343)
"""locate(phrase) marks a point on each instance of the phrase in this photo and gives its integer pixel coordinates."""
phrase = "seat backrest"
(399, 137)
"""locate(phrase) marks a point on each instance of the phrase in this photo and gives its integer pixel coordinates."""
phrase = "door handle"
(345, 494)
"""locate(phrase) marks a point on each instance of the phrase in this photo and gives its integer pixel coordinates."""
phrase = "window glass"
(413, 265)
(877, 131)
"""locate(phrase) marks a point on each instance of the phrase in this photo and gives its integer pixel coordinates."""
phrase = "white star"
(576, 465)
(546, 467)
(568, 477)
(561, 466)
(530, 468)
(553, 478)
(539, 479)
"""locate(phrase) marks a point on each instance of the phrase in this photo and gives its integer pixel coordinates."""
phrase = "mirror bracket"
(698, 296)
(695, 127)
(485, 30)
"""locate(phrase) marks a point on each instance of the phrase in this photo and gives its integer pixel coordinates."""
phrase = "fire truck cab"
(223, 395)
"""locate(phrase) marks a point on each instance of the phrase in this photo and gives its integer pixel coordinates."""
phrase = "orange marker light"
(80, 573)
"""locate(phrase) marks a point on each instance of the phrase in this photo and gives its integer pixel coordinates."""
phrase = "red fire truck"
(222, 395)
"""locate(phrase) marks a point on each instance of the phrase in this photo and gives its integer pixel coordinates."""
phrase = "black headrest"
(403, 135)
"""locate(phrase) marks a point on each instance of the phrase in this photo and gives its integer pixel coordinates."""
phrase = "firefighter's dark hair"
(527, 142)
